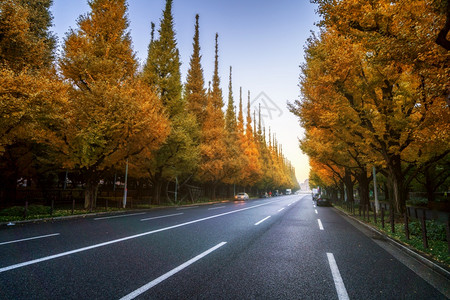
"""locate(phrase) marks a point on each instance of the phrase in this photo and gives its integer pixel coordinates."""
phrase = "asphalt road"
(276, 248)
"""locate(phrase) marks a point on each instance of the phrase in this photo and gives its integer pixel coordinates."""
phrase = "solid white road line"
(31, 238)
(316, 211)
(160, 217)
(188, 207)
(257, 223)
(320, 224)
(212, 208)
(121, 216)
(280, 209)
(8, 268)
(338, 282)
(158, 280)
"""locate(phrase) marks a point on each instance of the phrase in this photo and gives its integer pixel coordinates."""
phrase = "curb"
(435, 266)
(80, 216)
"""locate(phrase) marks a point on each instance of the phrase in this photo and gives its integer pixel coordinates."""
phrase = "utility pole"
(125, 190)
(176, 189)
(377, 205)
(66, 178)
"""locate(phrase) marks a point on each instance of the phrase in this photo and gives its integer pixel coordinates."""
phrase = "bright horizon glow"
(262, 40)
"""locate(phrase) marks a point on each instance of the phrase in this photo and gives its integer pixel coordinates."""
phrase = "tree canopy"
(85, 114)
(372, 91)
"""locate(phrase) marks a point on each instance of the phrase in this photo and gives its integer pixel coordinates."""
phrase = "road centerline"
(320, 224)
(259, 222)
(161, 278)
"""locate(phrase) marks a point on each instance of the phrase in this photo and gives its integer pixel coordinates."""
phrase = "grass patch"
(17, 213)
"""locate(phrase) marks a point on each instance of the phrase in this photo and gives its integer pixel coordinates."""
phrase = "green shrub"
(418, 201)
(14, 211)
(435, 230)
(18, 211)
(38, 210)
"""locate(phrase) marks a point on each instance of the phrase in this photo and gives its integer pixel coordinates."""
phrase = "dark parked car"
(323, 201)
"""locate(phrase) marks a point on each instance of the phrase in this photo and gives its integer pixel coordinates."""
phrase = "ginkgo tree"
(233, 160)
(90, 111)
(374, 76)
(212, 144)
(113, 115)
(252, 171)
(32, 98)
(179, 155)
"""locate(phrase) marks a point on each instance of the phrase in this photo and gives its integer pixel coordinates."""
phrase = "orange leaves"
(212, 145)
(101, 48)
(113, 115)
(25, 42)
(374, 89)
(31, 107)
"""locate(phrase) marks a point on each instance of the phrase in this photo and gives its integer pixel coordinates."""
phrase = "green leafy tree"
(162, 69)
(195, 93)
(180, 154)
(233, 162)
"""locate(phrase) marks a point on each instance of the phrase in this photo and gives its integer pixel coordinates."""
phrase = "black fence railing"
(412, 213)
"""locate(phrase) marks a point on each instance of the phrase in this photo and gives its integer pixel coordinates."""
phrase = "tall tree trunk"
(386, 191)
(9, 188)
(430, 182)
(90, 193)
(342, 191)
(363, 182)
(398, 184)
(157, 185)
(334, 194)
(213, 191)
(349, 185)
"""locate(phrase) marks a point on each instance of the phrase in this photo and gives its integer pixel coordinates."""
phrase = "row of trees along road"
(90, 110)
(375, 88)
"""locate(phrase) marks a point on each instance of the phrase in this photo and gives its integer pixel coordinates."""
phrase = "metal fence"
(387, 215)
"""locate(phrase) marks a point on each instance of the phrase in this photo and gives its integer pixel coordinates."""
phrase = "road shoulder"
(431, 272)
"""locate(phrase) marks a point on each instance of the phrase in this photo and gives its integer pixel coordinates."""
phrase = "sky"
(262, 40)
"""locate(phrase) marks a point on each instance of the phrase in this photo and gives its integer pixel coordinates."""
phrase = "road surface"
(274, 248)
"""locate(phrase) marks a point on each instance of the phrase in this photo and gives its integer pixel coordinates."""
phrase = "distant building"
(305, 185)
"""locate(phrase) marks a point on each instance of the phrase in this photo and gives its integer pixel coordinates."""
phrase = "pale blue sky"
(262, 40)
